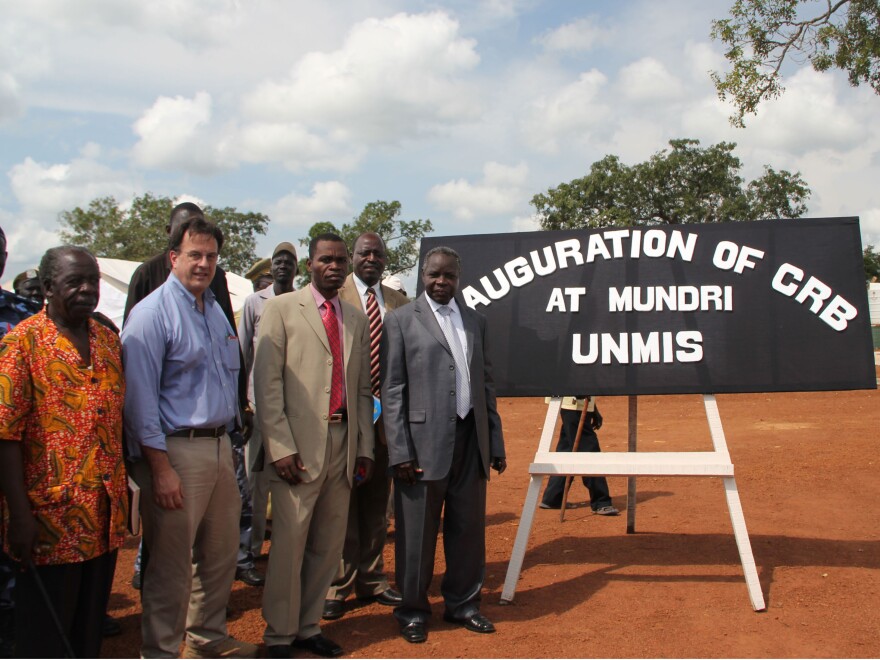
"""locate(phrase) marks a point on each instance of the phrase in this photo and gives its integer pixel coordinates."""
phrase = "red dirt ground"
(806, 469)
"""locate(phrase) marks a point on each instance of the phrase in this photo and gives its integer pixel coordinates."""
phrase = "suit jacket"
(418, 389)
(292, 374)
(393, 299)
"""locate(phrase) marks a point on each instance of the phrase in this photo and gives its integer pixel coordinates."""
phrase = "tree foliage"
(872, 264)
(401, 237)
(137, 232)
(684, 185)
(761, 35)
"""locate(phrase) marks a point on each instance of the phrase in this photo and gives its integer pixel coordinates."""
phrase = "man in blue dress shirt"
(181, 364)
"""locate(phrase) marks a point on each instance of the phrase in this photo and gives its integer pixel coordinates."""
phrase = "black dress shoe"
(414, 632)
(475, 622)
(110, 627)
(388, 597)
(333, 609)
(319, 645)
(137, 581)
(250, 576)
(278, 651)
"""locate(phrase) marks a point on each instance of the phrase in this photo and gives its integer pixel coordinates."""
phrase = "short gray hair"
(441, 249)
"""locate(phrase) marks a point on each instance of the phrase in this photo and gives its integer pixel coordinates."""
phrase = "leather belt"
(338, 417)
(218, 432)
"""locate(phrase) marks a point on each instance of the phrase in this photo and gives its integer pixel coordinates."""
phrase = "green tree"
(761, 35)
(872, 264)
(684, 185)
(401, 236)
(137, 233)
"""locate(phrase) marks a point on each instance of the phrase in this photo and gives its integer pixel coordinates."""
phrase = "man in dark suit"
(443, 433)
(362, 569)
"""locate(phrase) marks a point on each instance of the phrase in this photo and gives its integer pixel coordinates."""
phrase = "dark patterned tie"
(375, 337)
(337, 382)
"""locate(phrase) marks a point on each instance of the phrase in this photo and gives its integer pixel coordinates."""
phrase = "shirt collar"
(436, 306)
(208, 296)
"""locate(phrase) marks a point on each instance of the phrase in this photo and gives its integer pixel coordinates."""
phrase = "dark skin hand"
(408, 472)
(23, 532)
(289, 467)
(247, 424)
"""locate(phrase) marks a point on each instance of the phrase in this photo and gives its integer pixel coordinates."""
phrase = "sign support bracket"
(632, 464)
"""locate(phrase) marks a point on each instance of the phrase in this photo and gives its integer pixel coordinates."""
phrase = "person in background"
(13, 310)
(260, 274)
(282, 270)
(394, 282)
(444, 433)
(182, 356)
(27, 285)
(600, 498)
(315, 412)
(362, 568)
(61, 465)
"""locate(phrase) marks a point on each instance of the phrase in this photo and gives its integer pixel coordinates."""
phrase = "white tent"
(116, 274)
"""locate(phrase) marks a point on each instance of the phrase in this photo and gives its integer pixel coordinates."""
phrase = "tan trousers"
(308, 530)
(192, 550)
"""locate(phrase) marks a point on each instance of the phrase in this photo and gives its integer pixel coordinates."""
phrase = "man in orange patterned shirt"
(61, 467)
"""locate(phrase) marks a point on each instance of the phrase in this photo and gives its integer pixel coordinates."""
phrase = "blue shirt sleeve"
(143, 353)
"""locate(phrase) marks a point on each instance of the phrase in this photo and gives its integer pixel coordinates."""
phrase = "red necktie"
(337, 382)
(375, 336)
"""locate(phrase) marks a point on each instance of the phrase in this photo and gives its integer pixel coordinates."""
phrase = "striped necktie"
(375, 336)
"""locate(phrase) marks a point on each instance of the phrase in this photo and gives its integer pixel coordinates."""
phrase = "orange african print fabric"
(68, 418)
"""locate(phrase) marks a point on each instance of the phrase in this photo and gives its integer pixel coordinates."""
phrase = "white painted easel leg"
(737, 519)
(531, 503)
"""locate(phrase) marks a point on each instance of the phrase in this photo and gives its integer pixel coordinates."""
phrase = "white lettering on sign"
(520, 271)
(636, 348)
(557, 299)
(709, 297)
(837, 313)
(729, 256)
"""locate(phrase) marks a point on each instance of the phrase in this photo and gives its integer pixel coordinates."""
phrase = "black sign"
(767, 306)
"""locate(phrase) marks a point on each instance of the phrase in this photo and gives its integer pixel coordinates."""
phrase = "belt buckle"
(335, 418)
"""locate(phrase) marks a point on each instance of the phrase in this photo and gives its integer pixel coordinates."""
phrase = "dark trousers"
(461, 497)
(79, 593)
(598, 486)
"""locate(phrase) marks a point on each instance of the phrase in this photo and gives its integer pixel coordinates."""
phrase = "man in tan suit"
(312, 382)
(362, 568)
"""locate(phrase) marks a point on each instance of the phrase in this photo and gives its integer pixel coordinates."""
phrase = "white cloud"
(567, 115)
(869, 221)
(501, 191)
(647, 81)
(176, 133)
(328, 201)
(392, 79)
(11, 105)
(525, 223)
(580, 35)
(45, 190)
(293, 145)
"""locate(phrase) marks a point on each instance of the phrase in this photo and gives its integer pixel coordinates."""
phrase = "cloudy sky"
(460, 109)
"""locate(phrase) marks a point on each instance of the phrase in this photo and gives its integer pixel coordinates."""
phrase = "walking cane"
(577, 445)
(68, 649)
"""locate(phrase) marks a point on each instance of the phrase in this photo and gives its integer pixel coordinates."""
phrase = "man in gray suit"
(443, 433)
